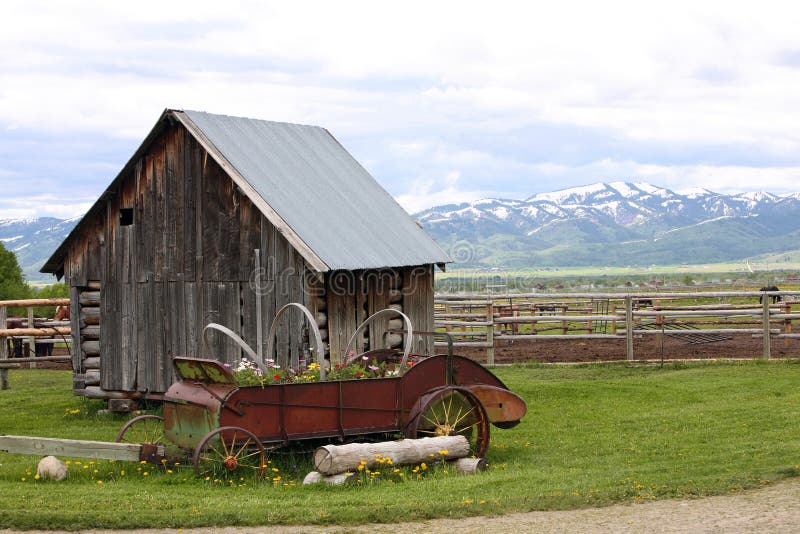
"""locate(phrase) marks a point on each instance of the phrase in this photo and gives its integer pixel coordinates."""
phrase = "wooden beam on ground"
(75, 448)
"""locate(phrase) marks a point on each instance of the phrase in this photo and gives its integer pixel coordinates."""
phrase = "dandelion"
(99, 482)
(122, 473)
(22, 479)
(360, 467)
(145, 474)
(443, 452)
(275, 469)
(467, 501)
(36, 477)
(423, 466)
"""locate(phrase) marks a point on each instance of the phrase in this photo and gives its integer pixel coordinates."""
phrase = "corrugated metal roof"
(328, 199)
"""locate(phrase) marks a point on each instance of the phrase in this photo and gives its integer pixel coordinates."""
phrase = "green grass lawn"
(594, 435)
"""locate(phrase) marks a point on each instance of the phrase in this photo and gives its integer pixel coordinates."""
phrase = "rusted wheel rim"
(451, 411)
(229, 451)
(144, 429)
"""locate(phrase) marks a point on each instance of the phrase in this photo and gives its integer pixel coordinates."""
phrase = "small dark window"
(125, 216)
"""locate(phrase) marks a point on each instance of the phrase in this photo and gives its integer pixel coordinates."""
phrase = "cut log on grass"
(469, 466)
(315, 477)
(332, 459)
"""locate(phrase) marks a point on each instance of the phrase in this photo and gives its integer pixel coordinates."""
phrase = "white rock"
(51, 467)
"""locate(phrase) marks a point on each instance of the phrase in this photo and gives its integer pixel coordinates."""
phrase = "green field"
(594, 435)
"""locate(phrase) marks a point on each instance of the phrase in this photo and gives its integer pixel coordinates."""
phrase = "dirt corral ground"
(644, 348)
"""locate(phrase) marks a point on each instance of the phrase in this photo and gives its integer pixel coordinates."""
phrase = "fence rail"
(487, 319)
(42, 332)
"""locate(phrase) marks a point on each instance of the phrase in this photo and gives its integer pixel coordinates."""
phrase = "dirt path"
(774, 508)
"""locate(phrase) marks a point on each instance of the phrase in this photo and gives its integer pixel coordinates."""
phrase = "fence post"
(613, 311)
(3, 348)
(629, 326)
(490, 333)
(787, 324)
(660, 326)
(31, 340)
(765, 319)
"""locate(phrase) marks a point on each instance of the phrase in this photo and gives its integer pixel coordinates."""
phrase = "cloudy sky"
(440, 101)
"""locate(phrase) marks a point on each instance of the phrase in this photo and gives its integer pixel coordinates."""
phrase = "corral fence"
(30, 336)
(486, 320)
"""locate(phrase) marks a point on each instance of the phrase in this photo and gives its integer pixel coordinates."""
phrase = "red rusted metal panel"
(206, 398)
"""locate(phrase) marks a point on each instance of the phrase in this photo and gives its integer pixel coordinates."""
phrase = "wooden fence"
(484, 320)
(41, 332)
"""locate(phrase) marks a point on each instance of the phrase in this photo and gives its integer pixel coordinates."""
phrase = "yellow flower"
(467, 501)
(22, 479)
(423, 466)
(360, 467)
(122, 473)
(36, 477)
(275, 469)
(443, 452)
(99, 482)
(145, 474)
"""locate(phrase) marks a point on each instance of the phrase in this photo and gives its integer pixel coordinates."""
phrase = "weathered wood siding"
(352, 296)
(187, 259)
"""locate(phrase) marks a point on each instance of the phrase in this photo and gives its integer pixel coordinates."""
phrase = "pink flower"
(373, 368)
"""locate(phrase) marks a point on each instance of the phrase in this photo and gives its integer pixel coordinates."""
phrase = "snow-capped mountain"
(34, 240)
(619, 222)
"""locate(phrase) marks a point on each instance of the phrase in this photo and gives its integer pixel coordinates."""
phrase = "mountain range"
(603, 224)
(616, 223)
(34, 240)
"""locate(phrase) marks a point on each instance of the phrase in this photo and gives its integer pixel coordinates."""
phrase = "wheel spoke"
(458, 420)
(431, 421)
(241, 449)
(254, 453)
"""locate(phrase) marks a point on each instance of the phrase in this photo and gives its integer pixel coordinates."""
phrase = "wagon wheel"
(144, 429)
(450, 411)
(228, 451)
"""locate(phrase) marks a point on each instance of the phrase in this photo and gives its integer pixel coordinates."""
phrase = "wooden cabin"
(218, 219)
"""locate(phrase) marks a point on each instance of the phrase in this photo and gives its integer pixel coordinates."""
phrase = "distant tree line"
(13, 285)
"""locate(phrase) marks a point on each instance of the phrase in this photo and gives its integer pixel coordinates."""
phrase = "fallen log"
(469, 466)
(315, 477)
(333, 459)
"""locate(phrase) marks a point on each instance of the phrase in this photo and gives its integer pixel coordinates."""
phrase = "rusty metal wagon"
(224, 427)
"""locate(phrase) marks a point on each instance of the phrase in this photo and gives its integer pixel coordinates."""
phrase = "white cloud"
(414, 81)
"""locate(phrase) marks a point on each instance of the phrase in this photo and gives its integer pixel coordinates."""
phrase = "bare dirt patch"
(645, 348)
